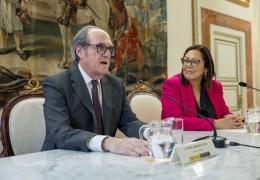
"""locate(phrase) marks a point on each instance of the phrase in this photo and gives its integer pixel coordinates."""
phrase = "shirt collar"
(86, 77)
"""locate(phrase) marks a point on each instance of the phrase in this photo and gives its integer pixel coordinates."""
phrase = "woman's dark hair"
(209, 65)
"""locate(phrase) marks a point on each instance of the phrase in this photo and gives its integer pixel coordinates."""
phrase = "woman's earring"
(205, 75)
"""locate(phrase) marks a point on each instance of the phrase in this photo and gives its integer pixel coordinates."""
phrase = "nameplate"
(191, 152)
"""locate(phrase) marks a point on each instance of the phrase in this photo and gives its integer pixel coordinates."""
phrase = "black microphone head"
(243, 84)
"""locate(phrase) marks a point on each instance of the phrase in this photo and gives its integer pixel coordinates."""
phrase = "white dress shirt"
(95, 143)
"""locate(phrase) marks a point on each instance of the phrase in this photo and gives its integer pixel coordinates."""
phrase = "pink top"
(183, 93)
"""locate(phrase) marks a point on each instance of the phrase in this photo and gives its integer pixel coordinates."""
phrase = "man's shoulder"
(66, 74)
(112, 78)
(58, 77)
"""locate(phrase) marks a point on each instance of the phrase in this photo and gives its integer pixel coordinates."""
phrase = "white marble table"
(230, 163)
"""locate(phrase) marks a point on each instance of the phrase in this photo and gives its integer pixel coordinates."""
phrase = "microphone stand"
(252, 88)
(244, 84)
(218, 141)
(239, 144)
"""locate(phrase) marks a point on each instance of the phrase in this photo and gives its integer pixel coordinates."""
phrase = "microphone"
(244, 84)
(231, 143)
(218, 141)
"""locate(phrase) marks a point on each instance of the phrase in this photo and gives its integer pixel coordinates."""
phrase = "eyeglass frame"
(101, 45)
(191, 62)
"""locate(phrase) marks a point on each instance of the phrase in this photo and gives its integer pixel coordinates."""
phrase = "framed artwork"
(39, 44)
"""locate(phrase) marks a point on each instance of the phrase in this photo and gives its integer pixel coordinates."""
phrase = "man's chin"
(103, 73)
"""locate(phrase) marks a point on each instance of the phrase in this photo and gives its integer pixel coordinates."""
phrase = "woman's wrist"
(217, 123)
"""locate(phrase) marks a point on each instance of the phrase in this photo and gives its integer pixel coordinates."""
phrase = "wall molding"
(209, 17)
(244, 3)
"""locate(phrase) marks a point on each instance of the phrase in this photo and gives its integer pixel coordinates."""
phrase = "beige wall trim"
(244, 3)
(209, 17)
(194, 21)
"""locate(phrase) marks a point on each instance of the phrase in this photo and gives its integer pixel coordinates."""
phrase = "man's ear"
(80, 52)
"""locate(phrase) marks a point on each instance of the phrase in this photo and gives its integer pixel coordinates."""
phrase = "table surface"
(232, 162)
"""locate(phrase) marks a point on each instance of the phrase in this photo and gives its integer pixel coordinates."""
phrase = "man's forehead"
(99, 35)
(96, 31)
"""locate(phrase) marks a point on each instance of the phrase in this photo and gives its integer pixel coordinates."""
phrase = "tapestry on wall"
(35, 37)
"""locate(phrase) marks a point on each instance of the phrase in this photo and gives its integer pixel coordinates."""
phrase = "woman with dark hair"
(194, 87)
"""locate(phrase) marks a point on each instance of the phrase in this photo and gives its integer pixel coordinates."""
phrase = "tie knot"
(94, 83)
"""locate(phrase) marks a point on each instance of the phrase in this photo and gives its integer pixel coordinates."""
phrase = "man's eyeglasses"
(193, 62)
(102, 48)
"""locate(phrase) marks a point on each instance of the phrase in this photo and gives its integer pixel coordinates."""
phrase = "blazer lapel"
(189, 99)
(214, 101)
(81, 89)
(106, 103)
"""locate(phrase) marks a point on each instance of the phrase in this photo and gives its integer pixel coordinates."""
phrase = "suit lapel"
(81, 89)
(106, 103)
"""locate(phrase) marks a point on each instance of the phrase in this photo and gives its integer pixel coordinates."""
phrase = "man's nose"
(107, 53)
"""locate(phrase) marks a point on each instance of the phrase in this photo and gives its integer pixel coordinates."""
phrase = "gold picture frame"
(244, 3)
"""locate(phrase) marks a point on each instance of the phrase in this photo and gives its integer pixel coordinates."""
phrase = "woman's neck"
(196, 85)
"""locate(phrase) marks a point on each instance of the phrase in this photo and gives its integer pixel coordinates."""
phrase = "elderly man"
(85, 104)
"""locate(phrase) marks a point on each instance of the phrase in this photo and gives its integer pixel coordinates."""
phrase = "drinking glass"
(160, 138)
(252, 120)
(177, 129)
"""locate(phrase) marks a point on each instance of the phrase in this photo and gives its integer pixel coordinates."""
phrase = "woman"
(196, 89)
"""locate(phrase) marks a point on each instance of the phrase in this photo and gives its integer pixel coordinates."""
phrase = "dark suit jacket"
(70, 116)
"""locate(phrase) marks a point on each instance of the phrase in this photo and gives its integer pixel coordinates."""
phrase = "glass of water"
(177, 129)
(160, 138)
(253, 120)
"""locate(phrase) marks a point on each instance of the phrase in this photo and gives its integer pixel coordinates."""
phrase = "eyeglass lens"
(102, 49)
(193, 62)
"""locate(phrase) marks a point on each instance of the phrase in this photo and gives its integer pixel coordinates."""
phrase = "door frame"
(209, 17)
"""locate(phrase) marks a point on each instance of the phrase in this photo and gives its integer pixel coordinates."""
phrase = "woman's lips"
(188, 72)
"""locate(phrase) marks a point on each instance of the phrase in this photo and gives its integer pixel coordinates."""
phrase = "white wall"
(180, 30)
(256, 47)
(179, 20)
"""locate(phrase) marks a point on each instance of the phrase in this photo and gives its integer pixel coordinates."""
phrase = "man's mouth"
(104, 62)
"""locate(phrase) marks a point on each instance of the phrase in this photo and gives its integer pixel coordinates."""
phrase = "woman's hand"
(231, 121)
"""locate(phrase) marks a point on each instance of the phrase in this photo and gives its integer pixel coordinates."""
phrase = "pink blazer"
(184, 94)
